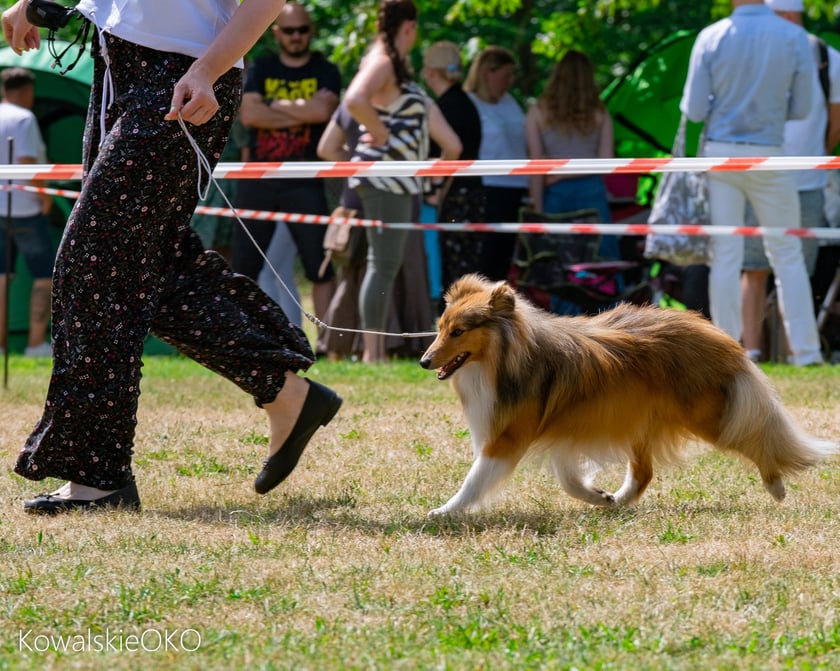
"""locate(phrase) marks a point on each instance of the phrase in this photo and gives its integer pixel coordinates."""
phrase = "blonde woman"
(569, 121)
(502, 137)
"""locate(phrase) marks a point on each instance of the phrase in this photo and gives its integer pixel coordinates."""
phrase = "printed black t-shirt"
(273, 80)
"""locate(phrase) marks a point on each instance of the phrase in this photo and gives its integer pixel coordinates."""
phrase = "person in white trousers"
(749, 74)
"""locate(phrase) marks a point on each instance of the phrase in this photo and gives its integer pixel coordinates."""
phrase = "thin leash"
(204, 166)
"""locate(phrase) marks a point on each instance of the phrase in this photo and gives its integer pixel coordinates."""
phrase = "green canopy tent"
(61, 103)
(644, 101)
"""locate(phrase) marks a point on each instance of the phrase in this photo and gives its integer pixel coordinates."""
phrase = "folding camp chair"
(562, 272)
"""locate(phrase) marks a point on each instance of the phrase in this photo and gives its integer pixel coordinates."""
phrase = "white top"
(20, 124)
(806, 137)
(180, 26)
(502, 137)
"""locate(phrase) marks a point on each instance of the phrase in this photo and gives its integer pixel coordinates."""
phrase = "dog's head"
(474, 307)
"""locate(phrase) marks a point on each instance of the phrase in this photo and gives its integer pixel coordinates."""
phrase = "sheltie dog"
(630, 385)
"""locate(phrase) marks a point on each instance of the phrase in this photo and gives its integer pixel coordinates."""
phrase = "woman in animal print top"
(398, 119)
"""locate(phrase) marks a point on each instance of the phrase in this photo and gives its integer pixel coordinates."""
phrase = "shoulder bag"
(682, 199)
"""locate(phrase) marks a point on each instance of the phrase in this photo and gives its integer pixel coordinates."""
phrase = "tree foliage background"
(615, 33)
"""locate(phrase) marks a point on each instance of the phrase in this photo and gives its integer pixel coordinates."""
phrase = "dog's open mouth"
(446, 370)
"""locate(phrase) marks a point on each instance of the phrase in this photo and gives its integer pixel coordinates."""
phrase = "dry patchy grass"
(340, 569)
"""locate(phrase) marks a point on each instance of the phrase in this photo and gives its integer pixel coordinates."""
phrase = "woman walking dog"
(129, 263)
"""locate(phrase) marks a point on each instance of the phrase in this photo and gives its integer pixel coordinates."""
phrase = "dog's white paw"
(449, 510)
(607, 499)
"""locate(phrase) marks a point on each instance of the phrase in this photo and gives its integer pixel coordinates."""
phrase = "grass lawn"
(339, 568)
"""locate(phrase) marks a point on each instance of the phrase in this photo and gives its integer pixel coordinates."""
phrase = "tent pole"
(7, 288)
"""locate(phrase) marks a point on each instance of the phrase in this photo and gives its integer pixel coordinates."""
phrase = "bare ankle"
(283, 411)
(74, 490)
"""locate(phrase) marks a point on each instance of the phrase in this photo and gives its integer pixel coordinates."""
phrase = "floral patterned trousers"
(129, 264)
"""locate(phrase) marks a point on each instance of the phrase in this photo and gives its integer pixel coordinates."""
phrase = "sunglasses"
(291, 30)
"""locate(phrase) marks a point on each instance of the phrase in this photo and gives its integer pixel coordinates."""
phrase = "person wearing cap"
(810, 136)
(748, 75)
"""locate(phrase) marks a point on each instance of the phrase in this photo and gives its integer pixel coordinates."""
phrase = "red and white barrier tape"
(221, 211)
(441, 168)
(40, 189)
(292, 217)
(572, 227)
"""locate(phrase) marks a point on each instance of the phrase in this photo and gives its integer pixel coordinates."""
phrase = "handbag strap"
(679, 139)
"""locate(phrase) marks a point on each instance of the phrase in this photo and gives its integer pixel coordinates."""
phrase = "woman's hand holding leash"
(193, 98)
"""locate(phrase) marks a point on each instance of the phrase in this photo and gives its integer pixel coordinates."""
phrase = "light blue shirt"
(748, 74)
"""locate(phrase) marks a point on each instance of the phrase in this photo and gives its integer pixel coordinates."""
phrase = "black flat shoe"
(49, 504)
(319, 408)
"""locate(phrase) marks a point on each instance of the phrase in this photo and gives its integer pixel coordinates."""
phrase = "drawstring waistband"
(81, 39)
(107, 87)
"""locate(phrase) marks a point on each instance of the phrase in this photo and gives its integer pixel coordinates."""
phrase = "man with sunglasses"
(287, 100)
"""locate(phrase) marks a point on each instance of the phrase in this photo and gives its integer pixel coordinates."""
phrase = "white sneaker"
(42, 350)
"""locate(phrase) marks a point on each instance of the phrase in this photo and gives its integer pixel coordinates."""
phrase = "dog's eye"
(456, 332)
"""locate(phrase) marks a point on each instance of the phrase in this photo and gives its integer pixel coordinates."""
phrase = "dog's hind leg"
(485, 476)
(638, 477)
(575, 483)
(757, 425)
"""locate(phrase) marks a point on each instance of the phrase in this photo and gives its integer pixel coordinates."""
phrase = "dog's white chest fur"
(478, 400)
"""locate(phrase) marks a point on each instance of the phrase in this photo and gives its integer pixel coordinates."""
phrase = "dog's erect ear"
(502, 299)
(465, 286)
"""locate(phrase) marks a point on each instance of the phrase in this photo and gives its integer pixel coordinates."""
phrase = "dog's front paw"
(449, 510)
(607, 498)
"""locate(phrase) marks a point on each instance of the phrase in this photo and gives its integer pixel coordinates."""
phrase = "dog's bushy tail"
(756, 424)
